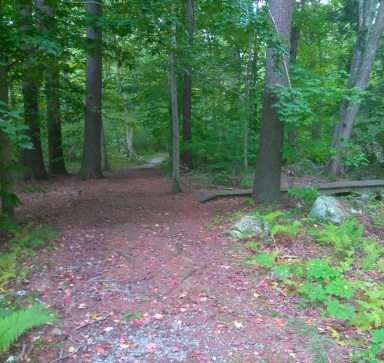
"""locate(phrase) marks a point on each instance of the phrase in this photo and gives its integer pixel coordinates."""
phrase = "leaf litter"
(149, 282)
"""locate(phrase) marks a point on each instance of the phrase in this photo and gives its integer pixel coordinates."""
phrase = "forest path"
(138, 276)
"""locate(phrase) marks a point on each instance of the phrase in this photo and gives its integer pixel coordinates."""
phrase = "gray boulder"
(249, 226)
(328, 209)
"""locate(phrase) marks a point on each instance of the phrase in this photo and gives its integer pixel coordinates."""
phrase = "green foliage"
(290, 230)
(265, 259)
(345, 238)
(15, 323)
(376, 208)
(306, 195)
(373, 351)
(373, 251)
(371, 310)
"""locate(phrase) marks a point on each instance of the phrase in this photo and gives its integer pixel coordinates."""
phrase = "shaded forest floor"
(141, 275)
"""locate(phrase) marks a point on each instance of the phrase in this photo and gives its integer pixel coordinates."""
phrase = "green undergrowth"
(336, 269)
(19, 311)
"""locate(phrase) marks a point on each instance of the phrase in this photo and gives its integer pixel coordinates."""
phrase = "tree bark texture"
(46, 21)
(31, 159)
(268, 166)
(174, 111)
(91, 162)
(186, 156)
(371, 27)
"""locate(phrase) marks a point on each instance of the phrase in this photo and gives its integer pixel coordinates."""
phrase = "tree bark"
(247, 112)
(31, 159)
(371, 27)
(91, 162)
(186, 156)
(268, 166)
(46, 20)
(129, 124)
(175, 116)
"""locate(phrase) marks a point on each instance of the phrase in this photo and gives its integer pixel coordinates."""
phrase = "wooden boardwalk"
(357, 186)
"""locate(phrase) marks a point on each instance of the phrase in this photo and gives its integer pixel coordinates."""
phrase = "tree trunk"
(175, 116)
(31, 159)
(246, 103)
(371, 27)
(91, 162)
(129, 125)
(104, 154)
(7, 207)
(186, 156)
(268, 166)
(46, 21)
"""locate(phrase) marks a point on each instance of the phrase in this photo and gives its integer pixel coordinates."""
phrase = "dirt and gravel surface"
(142, 275)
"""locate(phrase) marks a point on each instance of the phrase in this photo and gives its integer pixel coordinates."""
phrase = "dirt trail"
(138, 277)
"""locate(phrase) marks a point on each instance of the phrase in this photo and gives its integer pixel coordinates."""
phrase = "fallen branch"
(92, 322)
(175, 253)
(186, 275)
(69, 355)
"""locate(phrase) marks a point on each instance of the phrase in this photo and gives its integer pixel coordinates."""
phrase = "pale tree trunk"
(371, 27)
(268, 166)
(7, 210)
(175, 116)
(91, 162)
(246, 102)
(129, 124)
(186, 156)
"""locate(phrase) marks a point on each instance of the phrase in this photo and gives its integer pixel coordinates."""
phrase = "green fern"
(19, 321)
(290, 230)
(348, 235)
(371, 312)
(373, 252)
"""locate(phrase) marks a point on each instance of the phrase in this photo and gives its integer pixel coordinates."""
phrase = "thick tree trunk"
(91, 162)
(104, 154)
(31, 159)
(6, 182)
(46, 21)
(268, 166)
(186, 156)
(56, 164)
(175, 116)
(371, 27)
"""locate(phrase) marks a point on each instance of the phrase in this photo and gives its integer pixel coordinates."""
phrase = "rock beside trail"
(328, 209)
(249, 226)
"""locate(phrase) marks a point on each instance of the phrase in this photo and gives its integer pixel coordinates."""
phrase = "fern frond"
(19, 321)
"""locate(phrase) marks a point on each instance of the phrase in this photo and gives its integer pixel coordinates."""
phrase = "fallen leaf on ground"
(108, 328)
(237, 324)
(158, 316)
(278, 322)
(100, 350)
(82, 306)
(136, 323)
(151, 347)
(123, 339)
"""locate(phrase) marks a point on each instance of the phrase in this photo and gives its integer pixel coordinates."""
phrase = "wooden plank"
(358, 186)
